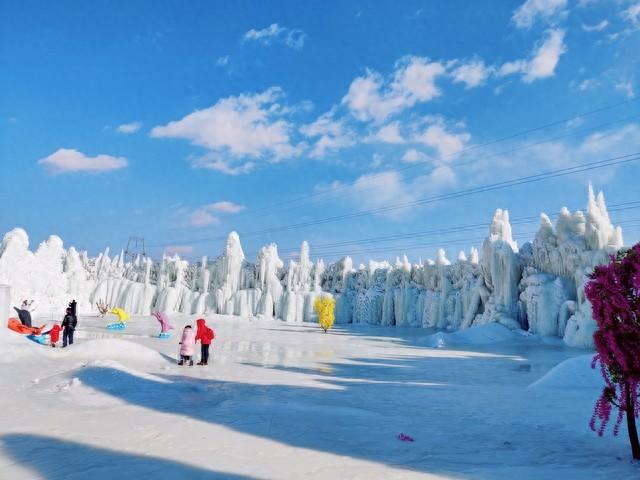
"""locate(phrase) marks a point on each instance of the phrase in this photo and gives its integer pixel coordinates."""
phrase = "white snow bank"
(574, 373)
(16, 347)
(479, 335)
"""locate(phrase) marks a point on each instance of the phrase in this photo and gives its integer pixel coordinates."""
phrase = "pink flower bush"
(614, 293)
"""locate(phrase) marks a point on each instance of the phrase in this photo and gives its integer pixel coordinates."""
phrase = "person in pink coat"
(187, 345)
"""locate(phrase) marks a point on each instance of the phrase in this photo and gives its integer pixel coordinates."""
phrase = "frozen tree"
(614, 293)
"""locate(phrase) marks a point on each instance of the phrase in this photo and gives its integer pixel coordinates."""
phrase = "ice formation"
(538, 287)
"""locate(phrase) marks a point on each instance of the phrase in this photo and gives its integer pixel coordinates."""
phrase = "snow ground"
(288, 402)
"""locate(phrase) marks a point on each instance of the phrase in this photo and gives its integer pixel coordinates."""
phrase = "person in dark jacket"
(24, 315)
(68, 325)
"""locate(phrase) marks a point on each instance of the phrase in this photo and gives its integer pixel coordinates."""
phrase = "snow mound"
(574, 373)
(111, 348)
(15, 346)
(480, 335)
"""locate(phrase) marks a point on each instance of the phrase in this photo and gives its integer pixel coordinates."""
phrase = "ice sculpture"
(538, 287)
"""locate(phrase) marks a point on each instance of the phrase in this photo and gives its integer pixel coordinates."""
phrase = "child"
(187, 345)
(54, 334)
(205, 335)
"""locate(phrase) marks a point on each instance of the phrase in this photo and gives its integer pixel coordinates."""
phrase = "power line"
(445, 230)
(546, 175)
(340, 187)
(413, 246)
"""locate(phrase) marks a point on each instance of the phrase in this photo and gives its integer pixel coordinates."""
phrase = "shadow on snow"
(54, 458)
(467, 418)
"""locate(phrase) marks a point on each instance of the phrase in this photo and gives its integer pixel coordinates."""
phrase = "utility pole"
(135, 249)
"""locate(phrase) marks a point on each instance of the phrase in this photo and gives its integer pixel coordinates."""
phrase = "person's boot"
(181, 362)
(200, 363)
(191, 363)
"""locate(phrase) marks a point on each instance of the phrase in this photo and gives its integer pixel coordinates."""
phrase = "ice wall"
(538, 287)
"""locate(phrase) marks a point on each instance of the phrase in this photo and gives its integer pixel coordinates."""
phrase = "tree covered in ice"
(614, 293)
(538, 286)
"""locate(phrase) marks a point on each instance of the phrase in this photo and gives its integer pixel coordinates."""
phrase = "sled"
(117, 326)
(41, 339)
(164, 335)
(17, 326)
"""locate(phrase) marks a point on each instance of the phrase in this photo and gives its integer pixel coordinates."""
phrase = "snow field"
(283, 400)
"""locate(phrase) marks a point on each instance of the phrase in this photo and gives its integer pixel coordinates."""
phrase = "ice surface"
(538, 287)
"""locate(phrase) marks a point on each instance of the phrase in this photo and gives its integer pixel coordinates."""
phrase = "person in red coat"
(206, 336)
(54, 334)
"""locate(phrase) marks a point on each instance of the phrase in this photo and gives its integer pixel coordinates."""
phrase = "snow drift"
(537, 287)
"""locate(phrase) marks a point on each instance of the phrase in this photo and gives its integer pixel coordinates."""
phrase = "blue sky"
(180, 121)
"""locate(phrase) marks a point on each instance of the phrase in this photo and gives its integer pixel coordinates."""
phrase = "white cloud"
(546, 58)
(179, 250)
(390, 134)
(531, 10)
(66, 160)
(226, 207)
(215, 161)
(632, 14)
(543, 62)
(332, 134)
(207, 214)
(202, 218)
(128, 128)
(588, 84)
(472, 74)
(381, 189)
(414, 156)
(509, 68)
(370, 97)
(292, 38)
(627, 88)
(374, 190)
(442, 175)
(598, 27)
(597, 146)
(610, 141)
(223, 61)
(445, 142)
(248, 125)
(376, 160)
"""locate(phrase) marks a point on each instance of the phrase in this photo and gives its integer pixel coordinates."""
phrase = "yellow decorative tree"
(324, 307)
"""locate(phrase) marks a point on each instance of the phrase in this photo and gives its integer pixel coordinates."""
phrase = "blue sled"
(164, 335)
(41, 339)
(117, 326)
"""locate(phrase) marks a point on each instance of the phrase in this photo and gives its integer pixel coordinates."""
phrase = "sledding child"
(205, 335)
(187, 345)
